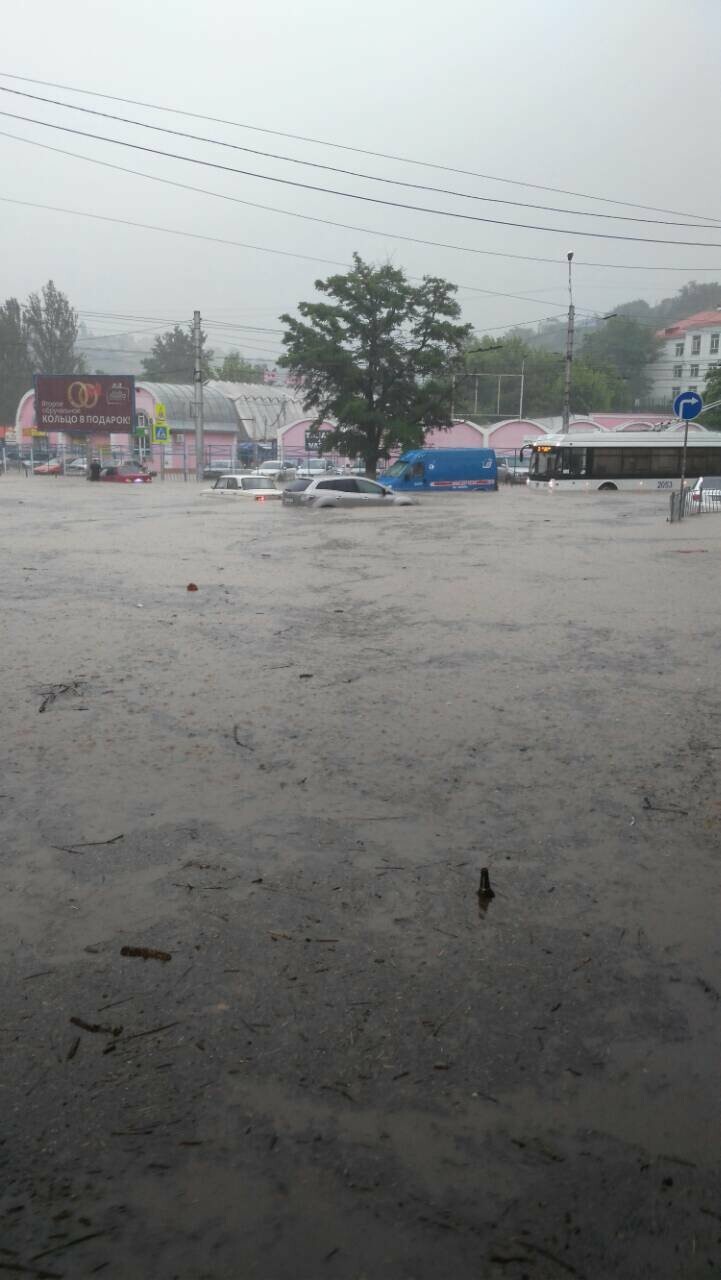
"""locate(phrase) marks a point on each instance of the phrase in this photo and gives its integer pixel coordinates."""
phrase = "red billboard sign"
(84, 402)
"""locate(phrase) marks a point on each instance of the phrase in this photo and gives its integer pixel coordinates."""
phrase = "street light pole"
(569, 351)
(198, 396)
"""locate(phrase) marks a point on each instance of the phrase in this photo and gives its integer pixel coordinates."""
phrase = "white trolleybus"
(642, 460)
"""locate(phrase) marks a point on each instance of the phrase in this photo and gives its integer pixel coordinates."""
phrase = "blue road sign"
(688, 405)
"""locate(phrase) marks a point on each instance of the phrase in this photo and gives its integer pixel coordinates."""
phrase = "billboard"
(84, 402)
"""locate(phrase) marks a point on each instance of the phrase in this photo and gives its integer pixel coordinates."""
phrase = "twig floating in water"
(146, 953)
(95, 1027)
(92, 1235)
(246, 745)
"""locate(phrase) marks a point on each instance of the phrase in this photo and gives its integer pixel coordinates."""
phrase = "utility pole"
(569, 351)
(198, 396)
(523, 382)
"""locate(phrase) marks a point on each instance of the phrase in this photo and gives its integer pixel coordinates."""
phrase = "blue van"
(442, 470)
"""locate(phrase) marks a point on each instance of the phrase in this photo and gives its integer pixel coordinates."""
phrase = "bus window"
(572, 463)
(607, 462)
(635, 462)
(665, 462)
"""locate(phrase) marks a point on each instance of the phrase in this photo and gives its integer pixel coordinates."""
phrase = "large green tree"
(51, 327)
(378, 357)
(235, 368)
(15, 364)
(172, 358)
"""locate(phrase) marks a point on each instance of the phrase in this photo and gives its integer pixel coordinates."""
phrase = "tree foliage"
(173, 359)
(235, 368)
(691, 297)
(51, 326)
(499, 365)
(626, 347)
(378, 357)
(15, 363)
(711, 393)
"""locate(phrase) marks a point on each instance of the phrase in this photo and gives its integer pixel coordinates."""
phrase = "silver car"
(342, 491)
(511, 471)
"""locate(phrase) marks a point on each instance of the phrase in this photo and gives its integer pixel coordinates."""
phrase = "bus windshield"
(543, 463)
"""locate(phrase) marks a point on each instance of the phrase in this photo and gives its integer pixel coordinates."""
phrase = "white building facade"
(690, 348)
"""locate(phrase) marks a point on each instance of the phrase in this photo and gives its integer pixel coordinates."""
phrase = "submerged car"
(343, 491)
(259, 488)
(125, 473)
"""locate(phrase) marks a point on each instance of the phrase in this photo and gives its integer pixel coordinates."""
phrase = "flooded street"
(288, 783)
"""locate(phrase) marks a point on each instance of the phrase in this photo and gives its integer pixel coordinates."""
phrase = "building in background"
(689, 349)
(241, 419)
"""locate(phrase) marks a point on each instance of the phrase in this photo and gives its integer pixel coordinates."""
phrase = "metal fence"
(177, 461)
(694, 502)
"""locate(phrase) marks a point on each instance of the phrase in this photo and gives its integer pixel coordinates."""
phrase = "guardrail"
(693, 503)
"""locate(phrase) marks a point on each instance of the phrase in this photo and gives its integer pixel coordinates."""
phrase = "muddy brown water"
(289, 781)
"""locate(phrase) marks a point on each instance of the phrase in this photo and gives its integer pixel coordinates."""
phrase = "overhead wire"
(353, 195)
(486, 177)
(352, 173)
(394, 235)
(196, 235)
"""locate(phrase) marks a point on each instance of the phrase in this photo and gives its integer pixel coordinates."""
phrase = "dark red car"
(125, 473)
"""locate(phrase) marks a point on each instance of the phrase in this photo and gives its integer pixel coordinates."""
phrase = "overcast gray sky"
(616, 98)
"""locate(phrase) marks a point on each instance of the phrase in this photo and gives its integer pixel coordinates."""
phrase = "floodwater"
(289, 781)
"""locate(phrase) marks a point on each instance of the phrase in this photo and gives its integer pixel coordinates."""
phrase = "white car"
(706, 494)
(343, 491)
(313, 467)
(274, 467)
(257, 488)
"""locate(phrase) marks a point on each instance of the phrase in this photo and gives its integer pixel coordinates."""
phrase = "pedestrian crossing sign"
(160, 433)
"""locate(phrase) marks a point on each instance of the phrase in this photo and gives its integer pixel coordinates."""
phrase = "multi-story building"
(689, 349)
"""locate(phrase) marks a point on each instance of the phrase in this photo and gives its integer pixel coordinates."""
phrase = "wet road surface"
(288, 782)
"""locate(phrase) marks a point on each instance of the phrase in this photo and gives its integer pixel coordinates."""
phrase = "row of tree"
(609, 372)
(44, 333)
(172, 360)
(40, 333)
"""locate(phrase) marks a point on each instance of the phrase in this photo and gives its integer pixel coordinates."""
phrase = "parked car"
(342, 491)
(78, 466)
(511, 471)
(259, 488)
(53, 467)
(311, 467)
(275, 467)
(125, 473)
(706, 494)
(219, 467)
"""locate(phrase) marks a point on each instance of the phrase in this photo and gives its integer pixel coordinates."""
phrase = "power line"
(351, 173)
(326, 222)
(381, 155)
(196, 235)
(351, 195)
(289, 213)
